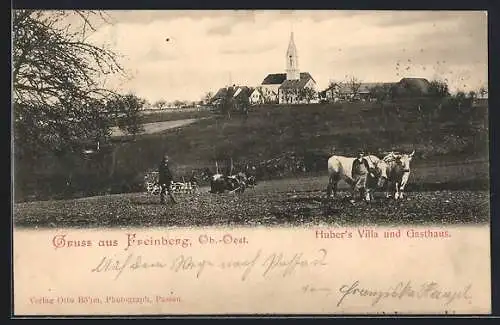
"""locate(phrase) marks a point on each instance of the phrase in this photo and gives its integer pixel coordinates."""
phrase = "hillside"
(434, 132)
(272, 130)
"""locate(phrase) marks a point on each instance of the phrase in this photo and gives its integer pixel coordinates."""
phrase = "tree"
(483, 92)
(127, 110)
(381, 93)
(162, 103)
(460, 95)
(177, 103)
(353, 85)
(269, 96)
(290, 95)
(307, 94)
(243, 102)
(227, 103)
(208, 97)
(334, 90)
(460, 99)
(438, 89)
(58, 96)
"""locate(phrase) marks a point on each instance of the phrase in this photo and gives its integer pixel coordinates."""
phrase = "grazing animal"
(340, 168)
(398, 170)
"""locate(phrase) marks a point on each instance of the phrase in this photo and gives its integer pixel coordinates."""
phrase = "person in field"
(165, 178)
(360, 172)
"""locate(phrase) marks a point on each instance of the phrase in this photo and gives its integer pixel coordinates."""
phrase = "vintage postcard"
(229, 162)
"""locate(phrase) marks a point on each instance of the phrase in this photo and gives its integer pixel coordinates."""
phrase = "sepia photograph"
(193, 118)
(343, 125)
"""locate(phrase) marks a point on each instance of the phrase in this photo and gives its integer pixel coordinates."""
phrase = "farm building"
(406, 87)
(353, 91)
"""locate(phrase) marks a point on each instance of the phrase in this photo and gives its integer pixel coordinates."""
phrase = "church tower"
(292, 61)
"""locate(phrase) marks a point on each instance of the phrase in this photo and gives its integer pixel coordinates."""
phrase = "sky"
(182, 55)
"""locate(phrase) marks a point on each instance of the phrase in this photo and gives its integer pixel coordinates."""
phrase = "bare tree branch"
(57, 78)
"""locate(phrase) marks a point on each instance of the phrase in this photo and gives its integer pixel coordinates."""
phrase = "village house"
(240, 95)
(256, 96)
(270, 86)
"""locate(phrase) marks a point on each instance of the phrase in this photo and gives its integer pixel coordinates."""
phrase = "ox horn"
(412, 153)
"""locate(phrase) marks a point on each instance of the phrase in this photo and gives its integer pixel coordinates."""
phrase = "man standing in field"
(360, 170)
(165, 178)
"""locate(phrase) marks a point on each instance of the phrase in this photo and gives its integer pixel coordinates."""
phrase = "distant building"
(241, 96)
(361, 91)
(270, 86)
(256, 97)
(220, 95)
(406, 87)
(290, 87)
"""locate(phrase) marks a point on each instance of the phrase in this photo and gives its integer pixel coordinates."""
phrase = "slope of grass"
(271, 131)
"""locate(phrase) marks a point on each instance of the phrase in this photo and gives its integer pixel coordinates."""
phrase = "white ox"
(340, 168)
(397, 169)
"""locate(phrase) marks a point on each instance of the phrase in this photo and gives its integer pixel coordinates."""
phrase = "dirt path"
(156, 127)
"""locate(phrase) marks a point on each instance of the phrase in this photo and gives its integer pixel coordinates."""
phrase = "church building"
(292, 87)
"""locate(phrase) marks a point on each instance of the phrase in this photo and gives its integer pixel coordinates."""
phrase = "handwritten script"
(267, 265)
(402, 290)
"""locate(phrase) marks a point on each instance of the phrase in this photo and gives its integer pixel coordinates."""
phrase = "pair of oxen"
(391, 172)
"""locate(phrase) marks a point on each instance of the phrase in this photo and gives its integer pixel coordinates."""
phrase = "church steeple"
(292, 61)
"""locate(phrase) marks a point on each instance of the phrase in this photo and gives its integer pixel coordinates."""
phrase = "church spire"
(292, 62)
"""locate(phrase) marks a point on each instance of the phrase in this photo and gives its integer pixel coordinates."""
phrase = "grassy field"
(438, 137)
